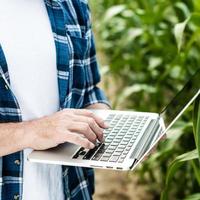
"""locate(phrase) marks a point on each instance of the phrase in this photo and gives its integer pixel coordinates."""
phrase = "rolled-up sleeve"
(93, 94)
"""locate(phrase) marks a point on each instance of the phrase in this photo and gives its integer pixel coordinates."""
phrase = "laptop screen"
(182, 100)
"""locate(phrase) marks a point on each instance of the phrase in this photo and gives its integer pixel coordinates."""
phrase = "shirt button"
(17, 162)
(16, 197)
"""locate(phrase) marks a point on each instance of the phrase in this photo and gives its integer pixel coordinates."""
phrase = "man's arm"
(11, 138)
(68, 125)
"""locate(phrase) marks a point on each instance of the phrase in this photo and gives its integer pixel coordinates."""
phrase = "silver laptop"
(128, 140)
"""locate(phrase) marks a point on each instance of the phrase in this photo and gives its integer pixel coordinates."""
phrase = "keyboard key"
(91, 152)
(124, 142)
(101, 151)
(107, 154)
(127, 138)
(109, 151)
(123, 131)
(97, 156)
(121, 160)
(108, 140)
(112, 147)
(104, 158)
(123, 156)
(119, 137)
(128, 148)
(129, 145)
(116, 154)
(119, 150)
(111, 137)
(125, 153)
(105, 146)
(117, 141)
(114, 159)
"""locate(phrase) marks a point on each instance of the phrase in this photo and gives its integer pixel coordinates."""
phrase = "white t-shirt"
(28, 44)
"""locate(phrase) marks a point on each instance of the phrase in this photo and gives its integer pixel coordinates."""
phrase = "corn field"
(147, 50)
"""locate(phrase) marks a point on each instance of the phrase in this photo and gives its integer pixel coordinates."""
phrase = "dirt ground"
(115, 185)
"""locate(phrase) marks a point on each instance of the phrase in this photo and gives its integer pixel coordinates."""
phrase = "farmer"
(47, 65)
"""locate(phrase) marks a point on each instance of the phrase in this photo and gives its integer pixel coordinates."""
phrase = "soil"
(116, 185)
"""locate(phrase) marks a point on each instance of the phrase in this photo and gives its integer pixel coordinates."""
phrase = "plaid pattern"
(78, 75)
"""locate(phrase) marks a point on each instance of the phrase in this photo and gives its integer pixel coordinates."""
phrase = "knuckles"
(86, 127)
(91, 121)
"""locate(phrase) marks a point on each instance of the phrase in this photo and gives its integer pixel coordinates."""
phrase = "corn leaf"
(180, 28)
(193, 197)
(179, 33)
(113, 11)
(176, 164)
(195, 166)
(196, 124)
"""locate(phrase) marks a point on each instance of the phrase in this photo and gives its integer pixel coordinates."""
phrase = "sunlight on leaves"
(113, 11)
(179, 32)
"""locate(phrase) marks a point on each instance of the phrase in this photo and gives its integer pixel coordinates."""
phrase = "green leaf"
(196, 5)
(179, 32)
(113, 11)
(196, 170)
(180, 28)
(176, 164)
(195, 19)
(193, 197)
(128, 91)
(196, 124)
(183, 7)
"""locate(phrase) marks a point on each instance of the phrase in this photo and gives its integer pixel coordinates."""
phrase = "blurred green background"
(147, 50)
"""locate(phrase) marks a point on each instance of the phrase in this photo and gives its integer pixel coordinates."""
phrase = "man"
(47, 64)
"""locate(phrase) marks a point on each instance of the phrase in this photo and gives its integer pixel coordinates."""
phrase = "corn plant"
(191, 157)
(148, 50)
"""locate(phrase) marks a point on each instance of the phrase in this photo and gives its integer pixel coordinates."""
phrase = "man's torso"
(75, 57)
(27, 40)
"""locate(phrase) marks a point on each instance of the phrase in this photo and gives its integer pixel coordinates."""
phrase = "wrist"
(27, 134)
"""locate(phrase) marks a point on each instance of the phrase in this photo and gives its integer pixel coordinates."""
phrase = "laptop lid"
(175, 109)
(181, 101)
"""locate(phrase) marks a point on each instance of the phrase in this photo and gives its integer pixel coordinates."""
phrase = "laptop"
(130, 137)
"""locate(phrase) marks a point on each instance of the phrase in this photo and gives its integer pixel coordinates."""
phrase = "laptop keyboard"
(119, 138)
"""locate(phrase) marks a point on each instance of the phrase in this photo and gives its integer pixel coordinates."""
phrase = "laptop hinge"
(145, 139)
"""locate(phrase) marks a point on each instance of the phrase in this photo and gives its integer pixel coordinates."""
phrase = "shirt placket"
(57, 21)
(13, 162)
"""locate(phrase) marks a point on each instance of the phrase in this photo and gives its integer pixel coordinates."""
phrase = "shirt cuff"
(95, 95)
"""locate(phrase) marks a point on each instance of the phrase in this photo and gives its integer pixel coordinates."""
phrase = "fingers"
(98, 120)
(85, 129)
(88, 113)
(77, 139)
(93, 125)
(96, 123)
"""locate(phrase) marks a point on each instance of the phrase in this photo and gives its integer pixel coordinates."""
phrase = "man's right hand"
(76, 126)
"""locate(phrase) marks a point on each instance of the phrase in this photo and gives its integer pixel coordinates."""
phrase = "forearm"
(11, 138)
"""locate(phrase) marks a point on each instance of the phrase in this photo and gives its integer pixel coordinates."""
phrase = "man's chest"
(72, 36)
(25, 33)
(28, 44)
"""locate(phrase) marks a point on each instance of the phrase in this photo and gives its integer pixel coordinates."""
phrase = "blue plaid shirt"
(78, 75)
